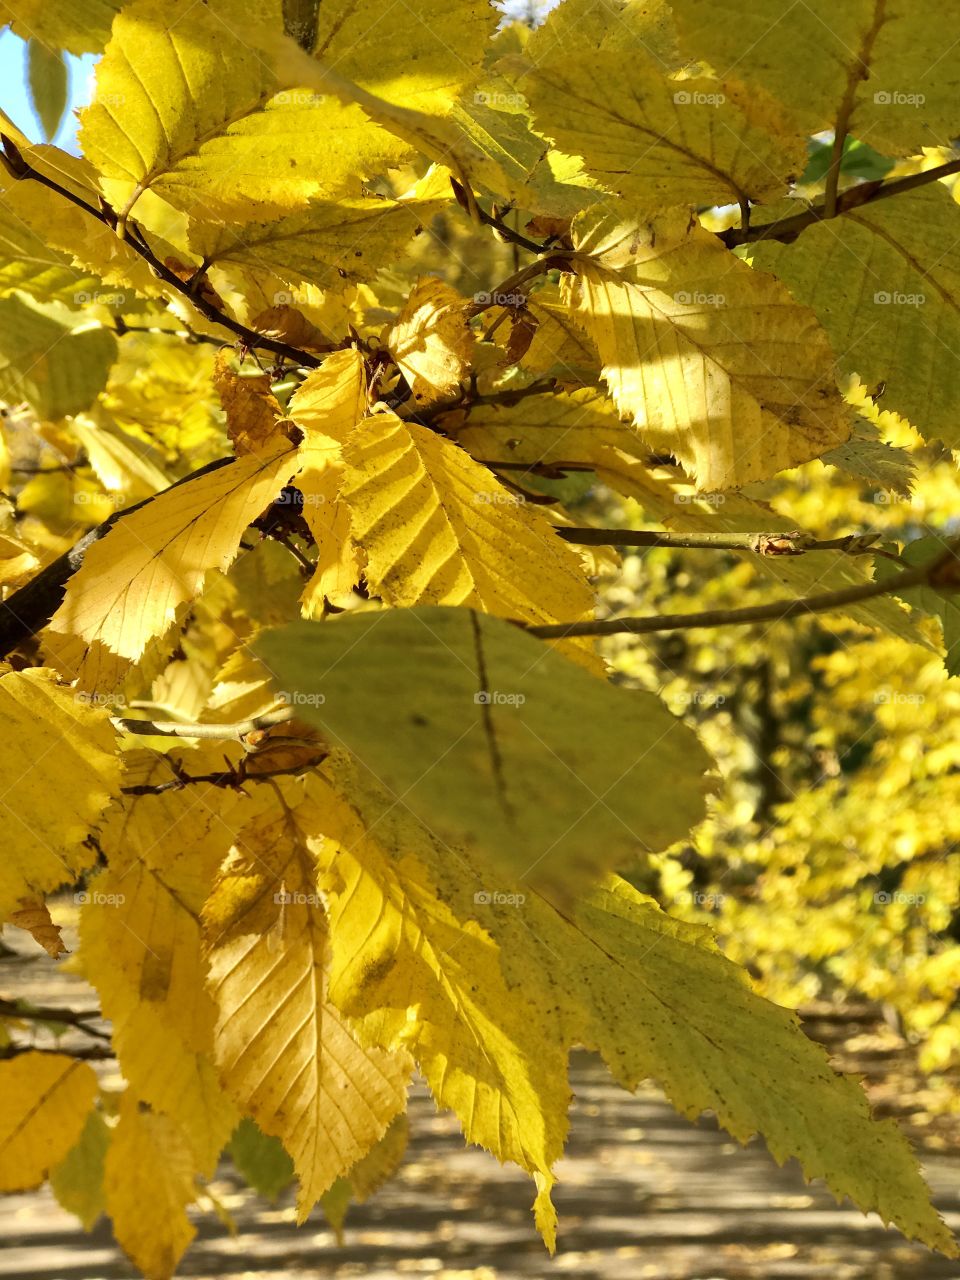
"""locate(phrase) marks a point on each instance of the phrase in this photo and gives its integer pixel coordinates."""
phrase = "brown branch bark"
(785, 230)
(28, 610)
(763, 544)
(18, 168)
(775, 611)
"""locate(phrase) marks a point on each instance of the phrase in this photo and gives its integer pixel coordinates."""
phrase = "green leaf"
(494, 740)
(928, 599)
(56, 361)
(858, 161)
(261, 1159)
(888, 296)
(875, 70)
(47, 72)
(77, 1181)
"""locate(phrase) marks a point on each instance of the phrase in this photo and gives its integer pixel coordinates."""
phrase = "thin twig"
(794, 543)
(786, 229)
(505, 232)
(77, 1018)
(176, 729)
(775, 611)
(20, 169)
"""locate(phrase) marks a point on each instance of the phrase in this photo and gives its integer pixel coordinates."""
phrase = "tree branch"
(787, 229)
(32, 607)
(794, 543)
(20, 169)
(505, 232)
(77, 1018)
(776, 611)
(224, 732)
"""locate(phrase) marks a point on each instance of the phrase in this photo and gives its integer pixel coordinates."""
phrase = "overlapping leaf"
(481, 1047)
(285, 1053)
(46, 1100)
(51, 358)
(877, 71)
(136, 577)
(149, 1162)
(657, 141)
(327, 408)
(49, 733)
(328, 245)
(79, 26)
(494, 740)
(421, 59)
(437, 528)
(885, 287)
(187, 109)
(713, 362)
(431, 341)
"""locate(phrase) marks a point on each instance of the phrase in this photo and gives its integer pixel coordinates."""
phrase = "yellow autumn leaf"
(148, 1182)
(330, 244)
(431, 341)
(438, 528)
(656, 141)
(714, 363)
(119, 273)
(50, 733)
(397, 951)
(876, 71)
(46, 1100)
(79, 26)
(187, 109)
(31, 263)
(151, 562)
(327, 407)
(286, 1054)
(421, 62)
(559, 347)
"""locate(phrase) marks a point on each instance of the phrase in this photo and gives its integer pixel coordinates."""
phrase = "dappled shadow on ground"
(643, 1195)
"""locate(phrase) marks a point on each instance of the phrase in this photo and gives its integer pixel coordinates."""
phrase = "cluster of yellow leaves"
(418, 874)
